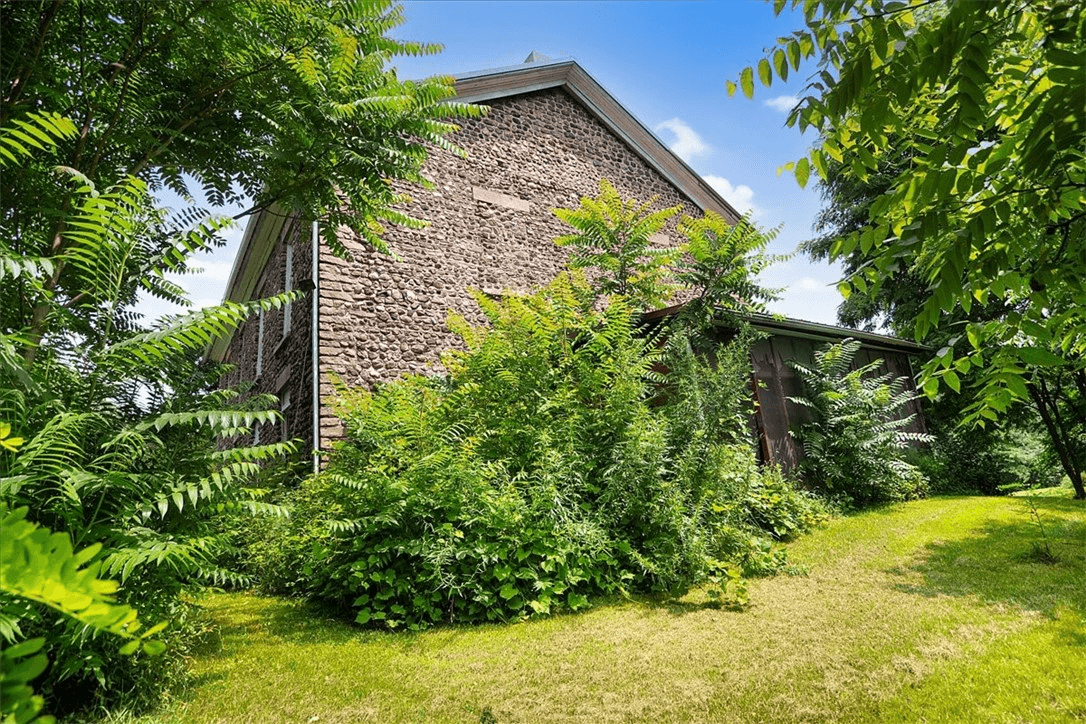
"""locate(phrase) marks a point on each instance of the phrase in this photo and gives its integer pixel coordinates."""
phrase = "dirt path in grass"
(929, 611)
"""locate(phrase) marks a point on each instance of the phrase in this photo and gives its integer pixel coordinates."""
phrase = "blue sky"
(667, 62)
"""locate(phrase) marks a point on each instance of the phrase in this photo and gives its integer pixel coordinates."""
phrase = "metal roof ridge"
(784, 322)
(534, 65)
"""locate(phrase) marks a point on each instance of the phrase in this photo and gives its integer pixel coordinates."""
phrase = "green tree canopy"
(119, 441)
(288, 101)
(986, 102)
(285, 102)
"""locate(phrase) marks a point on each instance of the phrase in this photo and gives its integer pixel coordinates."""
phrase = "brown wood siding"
(777, 381)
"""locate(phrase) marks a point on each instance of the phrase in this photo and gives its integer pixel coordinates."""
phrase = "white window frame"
(284, 405)
(288, 285)
(260, 344)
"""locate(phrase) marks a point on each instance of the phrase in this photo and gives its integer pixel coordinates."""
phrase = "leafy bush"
(708, 408)
(988, 461)
(116, 426)
(856, 443)
(776, 506)
(546, 469)
(37, 565)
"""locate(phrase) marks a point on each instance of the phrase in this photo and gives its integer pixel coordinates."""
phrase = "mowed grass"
(930, 611)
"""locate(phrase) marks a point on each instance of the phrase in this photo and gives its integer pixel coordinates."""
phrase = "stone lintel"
(499, 199)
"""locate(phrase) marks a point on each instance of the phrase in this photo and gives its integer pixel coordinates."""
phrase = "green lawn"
(929, 611)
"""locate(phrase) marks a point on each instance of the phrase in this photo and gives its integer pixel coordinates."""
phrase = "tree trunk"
(1063, 446)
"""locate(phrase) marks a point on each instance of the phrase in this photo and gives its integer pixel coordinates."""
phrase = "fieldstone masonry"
(491, 228)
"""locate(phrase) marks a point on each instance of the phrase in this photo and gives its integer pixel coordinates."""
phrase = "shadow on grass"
(1000, 563)
(250, 620)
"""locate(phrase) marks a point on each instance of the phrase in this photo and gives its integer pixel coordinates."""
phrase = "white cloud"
(687, 143)
(808, 284)
(741, 196)
(213, 270)
(782, 103)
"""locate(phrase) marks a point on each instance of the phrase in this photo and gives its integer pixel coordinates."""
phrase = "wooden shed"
(774, 381)
(793, 339)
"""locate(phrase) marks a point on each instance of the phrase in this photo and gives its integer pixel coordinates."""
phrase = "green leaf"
(780, 64)
(793, 51)
(153, 648)
(746, 81)
(1040, 357)
(508, 591)
(973, 336)
(803, 171)
(765, 72)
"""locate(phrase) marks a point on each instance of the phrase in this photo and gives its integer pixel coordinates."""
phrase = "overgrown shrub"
(987, 461)
(708, 408)
(855, 445)
(547, 468)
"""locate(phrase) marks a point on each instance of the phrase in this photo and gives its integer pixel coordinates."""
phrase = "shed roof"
(780, 325)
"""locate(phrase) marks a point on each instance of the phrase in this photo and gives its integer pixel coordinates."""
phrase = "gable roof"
(487, 85)
(264, 228)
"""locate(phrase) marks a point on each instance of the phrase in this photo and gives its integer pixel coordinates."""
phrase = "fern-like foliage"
(40, 566)
(721, 267)
(37, 131)
(853, 446)
(112, 432)
(613, 237)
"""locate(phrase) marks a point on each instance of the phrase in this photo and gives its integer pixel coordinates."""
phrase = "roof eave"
(810, 330)
(261, 234)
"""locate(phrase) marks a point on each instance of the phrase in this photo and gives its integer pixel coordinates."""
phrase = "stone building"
(551, 134)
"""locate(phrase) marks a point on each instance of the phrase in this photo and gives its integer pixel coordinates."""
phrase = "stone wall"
(285, 359)
(491, 227)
